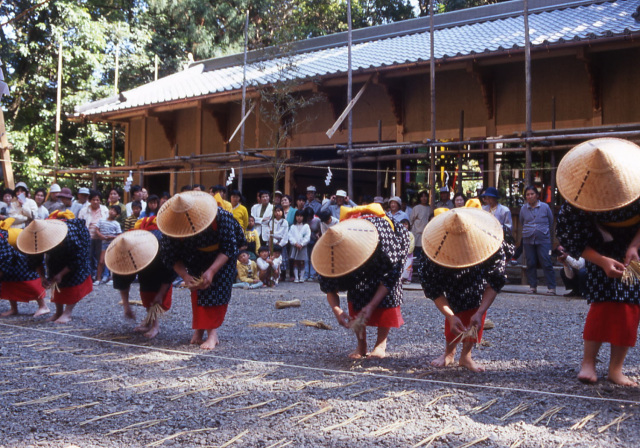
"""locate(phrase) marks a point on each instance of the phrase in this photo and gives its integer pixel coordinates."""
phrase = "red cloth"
(465, 317)
(22, 291)
(147, 299)
(206, 317)
(612, 322)
(381, 317)
(72, 294)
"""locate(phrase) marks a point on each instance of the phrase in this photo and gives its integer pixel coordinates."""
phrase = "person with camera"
(574, 273)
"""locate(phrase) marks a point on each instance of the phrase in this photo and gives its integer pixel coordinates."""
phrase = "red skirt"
(23, 291)
(72, 294)
(612, 322)
(206, 317)
(465, 317)
(381, 317)
(147, 299)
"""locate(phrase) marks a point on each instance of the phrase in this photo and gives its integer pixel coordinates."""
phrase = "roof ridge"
(468, 16)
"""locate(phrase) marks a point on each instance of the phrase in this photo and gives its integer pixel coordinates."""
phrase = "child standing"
(604, 229)
(107, 230)
(136, 210)
(299, 237)
(248, 276)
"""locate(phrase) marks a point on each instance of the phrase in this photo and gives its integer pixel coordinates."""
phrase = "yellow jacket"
(247, 272)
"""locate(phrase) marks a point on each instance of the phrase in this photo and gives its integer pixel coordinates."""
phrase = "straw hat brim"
(344, 247)
(41, 236)
(462, 237)
(131, 252)
(600, 175)
(187, 214)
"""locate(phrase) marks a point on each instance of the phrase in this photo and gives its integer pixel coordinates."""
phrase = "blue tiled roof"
(479, 31)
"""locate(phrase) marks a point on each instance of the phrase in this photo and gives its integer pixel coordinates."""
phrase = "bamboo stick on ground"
(280, 304)
(582, 423)
(102, 417)
(319, 324)
(304, 418)
(178, 434)
(433, 437)
(42, 400)
(235, 439)
(360, 414)
(71, 408)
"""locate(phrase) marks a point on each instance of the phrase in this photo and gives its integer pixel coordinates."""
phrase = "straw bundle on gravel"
(358, 326)
(71, 408)
(518, 409)
(474, 442)
(43, 400)
(470, 333)
(583, 422)
(390, 427)
(280, 304)
(102, 417)
(235, 439)
(178, 434)
(304, 418)
(548, 414)
(360, 414)
(483, 407)
(272, 325)
(319, 324)
(437, 435)
(435, 400)
(615, 421)
(139, 425)
(279, 411)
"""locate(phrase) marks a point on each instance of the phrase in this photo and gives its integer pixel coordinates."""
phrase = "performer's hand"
(611, 267)
(207, 278)
(343, 318)
(57, 278)
(632, 255)
(366, 313)
(189, 281)
(46, 283)
(476, 321)
(456, 325)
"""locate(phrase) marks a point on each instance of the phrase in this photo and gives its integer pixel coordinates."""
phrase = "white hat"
(378, 200)
(311, 188)
(341, 193)
(84, 190)
(444, 189)
(396, 198)
(278, 192)
(55, 188)
(23, 185)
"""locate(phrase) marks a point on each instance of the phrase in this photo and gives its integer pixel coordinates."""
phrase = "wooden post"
(459, 178)
(58, 107)
(378, 171)
(527, 69)
(432, 75)
(349, 95)
(7, 170)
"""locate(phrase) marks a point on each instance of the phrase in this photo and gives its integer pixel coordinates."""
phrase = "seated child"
(265, 266)
(247, 272)
(277, 262)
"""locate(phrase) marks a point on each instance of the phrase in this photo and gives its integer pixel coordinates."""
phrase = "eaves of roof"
(484, 31)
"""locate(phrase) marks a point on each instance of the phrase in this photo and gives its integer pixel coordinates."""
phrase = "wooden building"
(584, 71)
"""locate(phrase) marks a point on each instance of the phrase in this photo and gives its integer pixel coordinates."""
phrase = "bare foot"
(360, 351)
(11, 312)
(42, 311)
(588, 375)
(143, 329)
(211, 341)
(54, 318)
(129, 314)
(197, 337)
(620, 379)
(443, 360)
(378, 352)
(64, 319)
(356, 354)
(151, 333)
(470, 364)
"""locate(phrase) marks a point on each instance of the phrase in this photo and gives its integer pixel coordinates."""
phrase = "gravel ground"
(165, 388)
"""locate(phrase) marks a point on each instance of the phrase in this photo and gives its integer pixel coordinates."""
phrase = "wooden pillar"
(399, 139)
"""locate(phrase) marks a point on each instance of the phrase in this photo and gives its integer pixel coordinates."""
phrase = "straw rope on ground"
(268, 387)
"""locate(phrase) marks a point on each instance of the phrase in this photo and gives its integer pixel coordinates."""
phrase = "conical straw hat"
(600, 175)
(462, 237)
(187, 214)
(41, 236)
(131, 252)
(344, 247)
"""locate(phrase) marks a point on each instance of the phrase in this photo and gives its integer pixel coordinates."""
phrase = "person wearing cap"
(364, 255)
(81, 201)
(65, 240)
(262, 210)
(19, 282)
(22, 209)
(491, 196)
(53, 203)
(138, 253)
(65, 197)
(464, 269)
(311, 200)
(201, 244)
(445, 199)
(536, 221)
(339, 200)
(277, 197)
(600, 222)
(395, 209)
